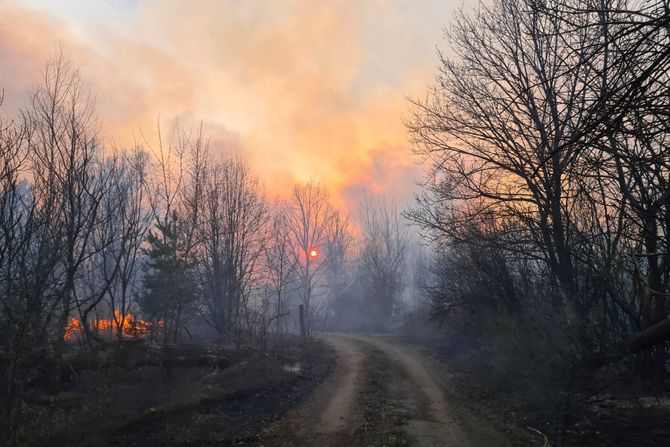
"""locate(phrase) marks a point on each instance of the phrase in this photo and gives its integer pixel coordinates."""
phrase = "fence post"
(301, 311)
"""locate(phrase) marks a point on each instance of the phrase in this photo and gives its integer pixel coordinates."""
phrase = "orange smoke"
(268, 78)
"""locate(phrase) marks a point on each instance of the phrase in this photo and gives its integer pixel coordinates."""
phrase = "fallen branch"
(652, 336)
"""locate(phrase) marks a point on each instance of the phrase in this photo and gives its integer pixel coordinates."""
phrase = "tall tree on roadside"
(501, 128)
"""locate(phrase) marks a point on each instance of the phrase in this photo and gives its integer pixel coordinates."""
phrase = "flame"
(132, 326)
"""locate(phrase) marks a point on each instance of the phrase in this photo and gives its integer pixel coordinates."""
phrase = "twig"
(538, 432)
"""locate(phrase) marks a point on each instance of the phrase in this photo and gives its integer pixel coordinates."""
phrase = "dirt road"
(382, 392)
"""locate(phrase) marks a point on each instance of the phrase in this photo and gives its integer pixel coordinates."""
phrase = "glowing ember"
(132, 327)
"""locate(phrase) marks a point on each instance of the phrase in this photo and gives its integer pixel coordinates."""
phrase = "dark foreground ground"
(150, 405)
(342, 390)
(386, 392)
(610, 410)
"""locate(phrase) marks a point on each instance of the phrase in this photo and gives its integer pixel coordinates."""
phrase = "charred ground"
(130, 396)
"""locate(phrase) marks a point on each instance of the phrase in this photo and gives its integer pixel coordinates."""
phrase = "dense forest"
(539, 238)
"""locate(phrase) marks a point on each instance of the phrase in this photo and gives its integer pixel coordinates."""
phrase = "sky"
(304, 89)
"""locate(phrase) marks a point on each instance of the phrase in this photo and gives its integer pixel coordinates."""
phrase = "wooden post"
(301, 311)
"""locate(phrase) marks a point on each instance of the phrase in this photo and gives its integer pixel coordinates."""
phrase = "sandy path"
(328, 417)
(333, 415)
(433, 424)
(336, 398)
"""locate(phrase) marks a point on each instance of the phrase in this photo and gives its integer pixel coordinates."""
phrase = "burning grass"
(127, 325)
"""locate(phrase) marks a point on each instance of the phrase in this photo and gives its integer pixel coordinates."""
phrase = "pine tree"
(168, 284)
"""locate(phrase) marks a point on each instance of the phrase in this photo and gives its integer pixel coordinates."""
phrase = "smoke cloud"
(305, 89)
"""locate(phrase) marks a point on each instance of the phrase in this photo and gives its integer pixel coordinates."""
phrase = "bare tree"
(69, 182)
(279, 262)
(21, 300)
(383, 252)
(547, 192)
(339, 244)
(626, 134)
(309, 219)
(502, 128)
(132, 223)
(231, 233)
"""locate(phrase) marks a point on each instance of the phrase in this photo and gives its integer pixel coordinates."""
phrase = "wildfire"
(132, 326)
